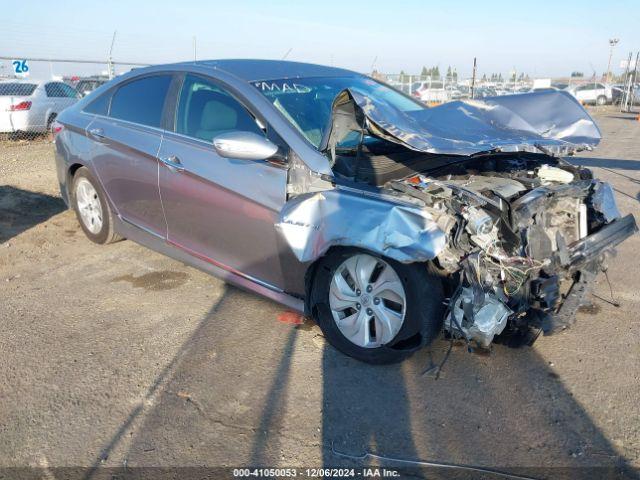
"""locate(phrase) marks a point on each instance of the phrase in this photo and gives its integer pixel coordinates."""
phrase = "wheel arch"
(71, 172)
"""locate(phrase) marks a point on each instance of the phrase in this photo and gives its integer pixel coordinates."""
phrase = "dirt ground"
(117, 356)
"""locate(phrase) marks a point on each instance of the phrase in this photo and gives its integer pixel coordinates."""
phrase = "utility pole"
(473, 78)
(287, 54)
(612, 43)
(110, 66)
(195, 49)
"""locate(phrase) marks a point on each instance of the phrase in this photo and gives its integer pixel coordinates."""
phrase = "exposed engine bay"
(479, 190)
(520, 255)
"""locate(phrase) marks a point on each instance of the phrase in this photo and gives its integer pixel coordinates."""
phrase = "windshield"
(307, 102)
(17, 89)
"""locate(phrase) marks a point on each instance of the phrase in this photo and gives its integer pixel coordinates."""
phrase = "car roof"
(254, 70)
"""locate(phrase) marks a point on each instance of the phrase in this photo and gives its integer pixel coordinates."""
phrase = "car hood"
(552, 122)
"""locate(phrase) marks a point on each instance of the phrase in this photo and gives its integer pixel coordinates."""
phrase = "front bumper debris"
(608, 237)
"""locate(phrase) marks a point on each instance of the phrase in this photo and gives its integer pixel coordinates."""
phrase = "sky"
(542, 38)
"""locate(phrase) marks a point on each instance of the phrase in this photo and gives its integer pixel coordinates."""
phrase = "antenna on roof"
(287, 54)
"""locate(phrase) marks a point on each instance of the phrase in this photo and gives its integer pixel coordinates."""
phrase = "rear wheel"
(92, 209)
(50, 121)
(376, 309)
(601, 100)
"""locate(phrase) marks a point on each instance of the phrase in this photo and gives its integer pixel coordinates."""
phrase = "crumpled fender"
(314, 222)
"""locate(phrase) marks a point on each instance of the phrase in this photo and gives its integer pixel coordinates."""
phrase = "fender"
(314, 222)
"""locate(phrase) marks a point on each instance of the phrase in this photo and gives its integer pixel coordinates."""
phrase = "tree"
(449, 74)
(484, 77)
(436, 72)
(577, 74)
(424, 74)
(455, 75)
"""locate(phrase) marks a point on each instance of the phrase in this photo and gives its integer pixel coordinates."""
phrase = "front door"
(219, 209)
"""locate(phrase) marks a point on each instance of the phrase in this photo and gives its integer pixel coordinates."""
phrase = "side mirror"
(244, 146)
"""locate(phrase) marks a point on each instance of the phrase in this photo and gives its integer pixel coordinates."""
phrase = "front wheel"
(375, 309)
(601, 100)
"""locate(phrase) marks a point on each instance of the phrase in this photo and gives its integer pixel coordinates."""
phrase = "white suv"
(592, 93)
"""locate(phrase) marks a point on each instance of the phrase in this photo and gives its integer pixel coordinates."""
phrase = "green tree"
(424, 74)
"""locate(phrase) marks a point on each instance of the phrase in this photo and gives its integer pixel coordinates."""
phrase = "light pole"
(612, 43)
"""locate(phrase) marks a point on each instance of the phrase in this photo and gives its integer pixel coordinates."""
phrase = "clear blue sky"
(542, 38)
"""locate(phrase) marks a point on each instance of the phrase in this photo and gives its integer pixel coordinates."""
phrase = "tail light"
(56, 128)
(19, 107)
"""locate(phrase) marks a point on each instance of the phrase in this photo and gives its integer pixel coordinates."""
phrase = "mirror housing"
(244, 146)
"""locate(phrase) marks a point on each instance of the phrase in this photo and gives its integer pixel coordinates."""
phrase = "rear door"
(127, 135)
(222, 210)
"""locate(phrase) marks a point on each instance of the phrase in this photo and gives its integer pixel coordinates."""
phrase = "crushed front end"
(527, 235)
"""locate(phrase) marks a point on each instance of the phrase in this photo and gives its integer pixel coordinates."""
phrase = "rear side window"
(60, 90)
(17, 89)
(141, 101)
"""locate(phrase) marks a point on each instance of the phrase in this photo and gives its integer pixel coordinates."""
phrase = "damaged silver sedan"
(342, 198)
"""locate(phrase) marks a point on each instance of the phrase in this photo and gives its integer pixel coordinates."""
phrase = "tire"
(50, 121)
(601, 100)
(90, 204)
(422, 310)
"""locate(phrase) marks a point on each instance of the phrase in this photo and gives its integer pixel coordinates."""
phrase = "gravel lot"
(116, 355)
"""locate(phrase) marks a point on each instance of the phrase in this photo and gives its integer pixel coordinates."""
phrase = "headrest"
(218, 116)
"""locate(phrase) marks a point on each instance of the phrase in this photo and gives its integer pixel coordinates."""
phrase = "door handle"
(97, 133)
(173, 163)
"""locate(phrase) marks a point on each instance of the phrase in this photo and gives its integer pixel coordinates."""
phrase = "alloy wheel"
(89, 205)
(367, 300)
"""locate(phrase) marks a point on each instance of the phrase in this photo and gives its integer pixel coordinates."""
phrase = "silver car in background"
(593, 93)
(347, 200)
(31, 106)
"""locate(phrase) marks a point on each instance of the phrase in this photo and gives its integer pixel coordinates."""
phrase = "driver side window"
(205, 110)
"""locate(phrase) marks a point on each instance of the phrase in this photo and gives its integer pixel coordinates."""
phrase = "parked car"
(32, 106)
(482, 92)
(85, 86)
(342, 198)
(594, 93)
(430, 91)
